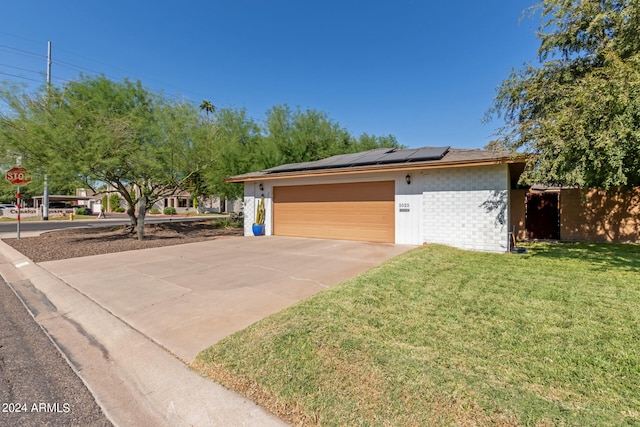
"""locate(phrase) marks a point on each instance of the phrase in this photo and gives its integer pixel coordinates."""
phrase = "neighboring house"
(184, 203)
(60, 205)
(181, 201)
(442, 195)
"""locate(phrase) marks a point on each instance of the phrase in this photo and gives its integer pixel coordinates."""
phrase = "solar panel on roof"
(357, 158)
(368, 159)
(345, 159)
(340, 160)
(371, 157)
(428, 153)
(398, 156)
(289, 167)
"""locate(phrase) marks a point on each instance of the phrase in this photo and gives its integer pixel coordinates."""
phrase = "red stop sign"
(18, 176)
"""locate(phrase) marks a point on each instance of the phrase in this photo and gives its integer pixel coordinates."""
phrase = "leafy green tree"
(286, 136)
(578, 113)
(308, 135)
(237, 148)
(369, 142)
(110, 202)
(19, 121)
(99, 131)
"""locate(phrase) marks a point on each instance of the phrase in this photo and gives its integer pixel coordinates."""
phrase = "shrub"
(114, 200)
(83, 211)
(227, 223)
(154, 211)
(169, 210)
(113, 203)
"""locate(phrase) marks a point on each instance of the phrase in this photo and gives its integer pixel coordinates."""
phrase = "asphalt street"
(111, 220)
(37, 385)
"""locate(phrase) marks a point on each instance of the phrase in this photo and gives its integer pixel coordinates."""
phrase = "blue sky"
(423, 71)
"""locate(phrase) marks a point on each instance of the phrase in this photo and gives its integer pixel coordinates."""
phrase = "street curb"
(134, 381)
(29, 306)
(18, 274)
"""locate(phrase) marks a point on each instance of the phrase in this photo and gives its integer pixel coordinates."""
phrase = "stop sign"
(18, 176)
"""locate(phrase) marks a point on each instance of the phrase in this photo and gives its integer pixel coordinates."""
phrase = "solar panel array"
(371, 157)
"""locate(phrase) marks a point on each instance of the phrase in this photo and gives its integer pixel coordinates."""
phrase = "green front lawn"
(440, 336)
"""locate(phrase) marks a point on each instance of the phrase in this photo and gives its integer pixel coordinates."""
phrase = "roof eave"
(374, 168)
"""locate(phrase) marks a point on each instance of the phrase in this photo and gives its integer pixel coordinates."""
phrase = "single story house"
(183, 202)
(457, 197)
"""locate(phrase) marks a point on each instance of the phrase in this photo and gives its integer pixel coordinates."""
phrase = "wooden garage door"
(350, 211)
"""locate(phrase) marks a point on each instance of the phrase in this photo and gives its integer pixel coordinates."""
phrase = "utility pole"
(45, 194)
(48, 64)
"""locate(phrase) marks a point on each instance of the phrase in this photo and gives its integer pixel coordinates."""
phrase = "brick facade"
(467, 207)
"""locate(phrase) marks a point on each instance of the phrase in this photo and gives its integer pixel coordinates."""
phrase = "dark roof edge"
(497, 157)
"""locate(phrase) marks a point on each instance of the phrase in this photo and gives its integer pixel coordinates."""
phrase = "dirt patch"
(79, 242)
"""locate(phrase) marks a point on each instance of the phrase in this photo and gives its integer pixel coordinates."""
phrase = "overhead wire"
(22, 51)
(20, 77)
(20, 68)
(76, 67)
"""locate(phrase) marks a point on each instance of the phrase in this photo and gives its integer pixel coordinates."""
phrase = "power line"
(76, 67)
(81, 68)
(21, 69)
(71, 66)
(22, 51)
(20, 77)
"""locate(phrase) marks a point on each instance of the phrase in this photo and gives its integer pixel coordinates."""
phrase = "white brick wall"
(249, 214)
(466, 207)
(252, 194)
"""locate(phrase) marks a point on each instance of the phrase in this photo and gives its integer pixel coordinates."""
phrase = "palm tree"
(207, 107)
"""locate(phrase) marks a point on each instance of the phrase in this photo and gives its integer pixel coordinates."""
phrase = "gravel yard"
(79, 242)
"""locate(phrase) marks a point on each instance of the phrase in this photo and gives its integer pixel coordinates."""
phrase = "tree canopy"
(285, 136)
(102, 132)
(95, 132)
(577, 113)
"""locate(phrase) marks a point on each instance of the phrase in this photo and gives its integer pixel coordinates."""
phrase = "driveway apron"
(188, 297)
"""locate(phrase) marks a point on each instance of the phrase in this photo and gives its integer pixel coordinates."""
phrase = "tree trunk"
(142, 211)
(132, 217)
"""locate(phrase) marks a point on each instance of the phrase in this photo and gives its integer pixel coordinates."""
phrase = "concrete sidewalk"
(121, 318)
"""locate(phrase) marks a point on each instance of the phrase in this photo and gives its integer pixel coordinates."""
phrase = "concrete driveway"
(188, 297)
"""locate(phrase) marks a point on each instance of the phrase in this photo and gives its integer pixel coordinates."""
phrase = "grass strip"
(440, 336)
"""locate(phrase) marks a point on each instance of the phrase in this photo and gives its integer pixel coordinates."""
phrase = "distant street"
(111, 220)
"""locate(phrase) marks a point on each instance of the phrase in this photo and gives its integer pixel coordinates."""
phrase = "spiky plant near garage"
(258, 225)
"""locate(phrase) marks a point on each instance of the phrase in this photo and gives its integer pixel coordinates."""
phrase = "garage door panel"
(354, 211)
(345, 232)
(375, 216)
(348, 192)
(335, 212)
